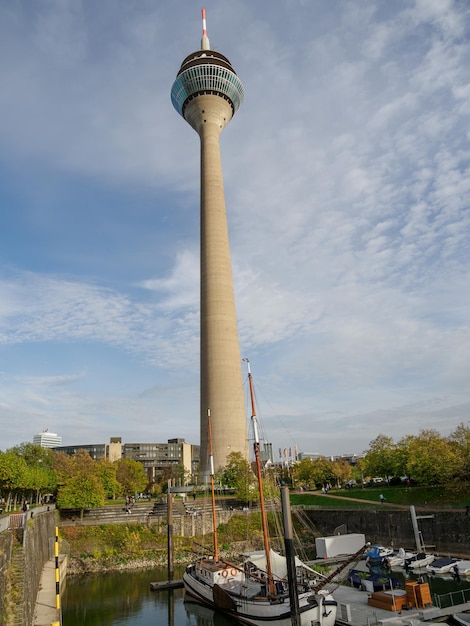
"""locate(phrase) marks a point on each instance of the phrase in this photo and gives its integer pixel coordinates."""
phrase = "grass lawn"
(326, 502)
(449, 496)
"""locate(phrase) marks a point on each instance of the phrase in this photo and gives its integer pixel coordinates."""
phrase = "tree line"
(29, 472)
(32, 473)
(425, 459)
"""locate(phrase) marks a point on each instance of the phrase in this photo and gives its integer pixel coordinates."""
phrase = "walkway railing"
(17, 520)
(452, 598)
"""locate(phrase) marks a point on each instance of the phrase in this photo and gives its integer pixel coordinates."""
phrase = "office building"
(45, 439)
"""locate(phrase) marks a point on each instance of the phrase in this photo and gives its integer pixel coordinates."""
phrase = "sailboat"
(260, 589)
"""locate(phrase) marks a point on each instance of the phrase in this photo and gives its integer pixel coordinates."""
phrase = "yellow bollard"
(57, 574)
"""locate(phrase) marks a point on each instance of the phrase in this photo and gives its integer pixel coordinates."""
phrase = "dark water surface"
(125, 598)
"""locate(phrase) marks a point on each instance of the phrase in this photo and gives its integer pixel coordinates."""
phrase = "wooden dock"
(166, 584)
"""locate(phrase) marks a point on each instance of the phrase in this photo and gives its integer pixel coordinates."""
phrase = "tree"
(305, 472)
(81, 492)
(176, 472)
(12, 476)
(460, 443)
(131, 476)
(431, 458)
(237, 474)
(34, 454)
(342, 471)
(380, 459)
(81, 487)
(62, 464)
(106, 472)
(38, 475)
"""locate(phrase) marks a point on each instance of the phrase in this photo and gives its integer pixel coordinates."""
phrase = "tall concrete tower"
(207, 93)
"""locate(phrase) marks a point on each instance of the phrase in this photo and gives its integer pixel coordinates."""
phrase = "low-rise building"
(158, 457)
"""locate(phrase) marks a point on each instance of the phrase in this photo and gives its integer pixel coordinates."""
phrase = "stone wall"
(190, 525)
(445, 532)
(29, 550)
(6, 540)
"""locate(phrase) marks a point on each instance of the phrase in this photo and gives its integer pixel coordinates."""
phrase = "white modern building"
(47, 439)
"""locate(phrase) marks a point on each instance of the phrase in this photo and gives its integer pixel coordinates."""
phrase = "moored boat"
(260, 589)
(419, 561)
(398, 559)
(463, 568)
(376, 554)
(442, 565)
(462, 618)
(372, 581)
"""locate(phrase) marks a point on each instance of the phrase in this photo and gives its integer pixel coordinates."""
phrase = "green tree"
(431, 458)
(305, 472)
(62, 465)
(39, 475)
(323, 471)
(81, 492)
(34, 455)
(176, 472)
(342, 471)
(131, 476)
(237, 474)
(81, 486)
(460, 443)
(13, 471)
(106, 472)
(402, 455)
(380, 459)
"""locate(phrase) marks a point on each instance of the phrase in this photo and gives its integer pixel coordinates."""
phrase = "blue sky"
(347, 183)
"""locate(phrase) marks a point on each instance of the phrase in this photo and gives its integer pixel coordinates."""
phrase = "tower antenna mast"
(205, 45)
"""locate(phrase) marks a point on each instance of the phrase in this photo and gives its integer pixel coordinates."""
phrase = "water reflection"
(125, 598)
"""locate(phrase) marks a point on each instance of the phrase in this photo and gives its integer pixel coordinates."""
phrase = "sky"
(347, 187)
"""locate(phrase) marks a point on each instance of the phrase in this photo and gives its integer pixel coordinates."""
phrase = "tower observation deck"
(207, 93)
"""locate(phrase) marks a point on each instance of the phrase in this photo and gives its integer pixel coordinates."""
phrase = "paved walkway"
(45, 612)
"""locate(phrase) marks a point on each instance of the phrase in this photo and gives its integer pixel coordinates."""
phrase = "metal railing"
(18, 520)
(453, 598)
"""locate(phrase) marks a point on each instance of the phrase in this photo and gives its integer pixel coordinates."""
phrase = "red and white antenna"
(205, 45)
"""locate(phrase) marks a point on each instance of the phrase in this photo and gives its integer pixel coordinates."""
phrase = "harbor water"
(114, 599)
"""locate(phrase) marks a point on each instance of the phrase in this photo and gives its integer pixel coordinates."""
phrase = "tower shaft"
(221, 371)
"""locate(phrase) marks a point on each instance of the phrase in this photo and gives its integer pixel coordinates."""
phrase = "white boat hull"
(258, 610)
(420, 563)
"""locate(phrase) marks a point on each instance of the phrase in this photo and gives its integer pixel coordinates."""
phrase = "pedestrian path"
(45, 612)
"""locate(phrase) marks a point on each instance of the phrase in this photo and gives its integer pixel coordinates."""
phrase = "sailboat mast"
(259, 476)
(212, 476)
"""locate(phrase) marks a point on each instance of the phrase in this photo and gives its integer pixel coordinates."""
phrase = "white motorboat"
(463, 568)
(398, 559)
(419, 561)
(442, 565)
(462, 618)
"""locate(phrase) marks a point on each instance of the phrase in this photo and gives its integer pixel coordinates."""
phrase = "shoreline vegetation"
(120, 547)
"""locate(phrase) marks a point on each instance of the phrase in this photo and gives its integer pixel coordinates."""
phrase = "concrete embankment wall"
(6, 541)
(24, 551)
(446, 532)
